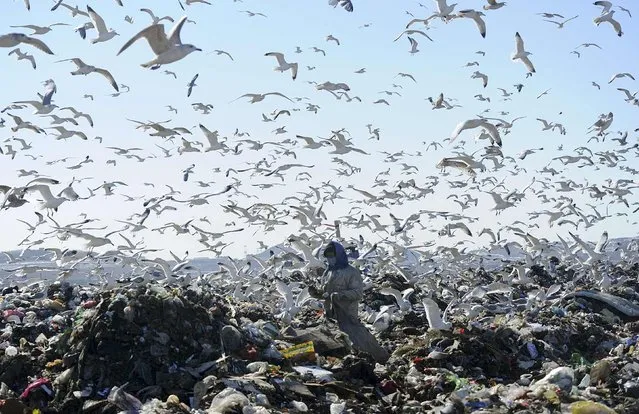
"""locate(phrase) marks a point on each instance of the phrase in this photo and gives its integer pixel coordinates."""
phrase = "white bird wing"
(434, 315)
(529, 65)
(109, 77)
(279, 56)
(458, 129)
(616, 25)
(441, 5)
(303, 297)
(285, 291)
(392, 292)
(407, 292)
(481, 24)
(605, 4)
(37, 43)
(154, 35)
(174, 34)
(98, 21)
(626, 91)
(603, 241)
(493, 131)
(44, 191)
(519, 43)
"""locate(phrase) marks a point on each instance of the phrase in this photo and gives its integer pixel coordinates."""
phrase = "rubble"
(171, 349)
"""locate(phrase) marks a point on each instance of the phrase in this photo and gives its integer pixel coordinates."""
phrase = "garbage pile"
(155, 349)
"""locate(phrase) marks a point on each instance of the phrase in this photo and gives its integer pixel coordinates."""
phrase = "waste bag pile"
(479, 335)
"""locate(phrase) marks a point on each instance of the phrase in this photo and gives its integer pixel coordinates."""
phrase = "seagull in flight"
(476, 17)
(608, 18)
(39, 30)
(560, 25)
(411, 32)
(167, 49)
(14, 39)
(222, 52)
(191, 85)
(84, 69)
(252, 14)
(476, 123)
(257, 97)
(522, 54)
(346, 4)
(157, 20)
(22, 56)
(494, 5)
(283, 65)
(104, 34)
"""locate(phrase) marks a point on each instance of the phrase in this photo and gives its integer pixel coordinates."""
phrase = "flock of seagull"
(372, 224)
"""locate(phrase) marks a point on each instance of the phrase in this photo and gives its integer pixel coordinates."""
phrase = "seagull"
(191, 85)
(476, 123)
(494, 5)
(406, 75)
(283, 64)
(434, 316)
(168, 49)
(84, 69)
(155, 19)
(402, 298)
(476, 17)
(104, 34)
(257, 97)
(22, 56)
(222, 52)
(346, 4)
(410, 32)
(252, 14)
(413, 45)
(621, 75)
(521, 54)
(560, 25)
(188, 171)
(543, 93)
(39, 30)
(550, 15)
(483, 77)
(629, 97)
(332, 38)
(14, 39)
(444, 10)
(49, 89)
(588, 45)
(608, 18)
(625, 10)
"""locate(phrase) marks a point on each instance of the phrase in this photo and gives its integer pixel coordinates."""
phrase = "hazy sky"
(405, 124)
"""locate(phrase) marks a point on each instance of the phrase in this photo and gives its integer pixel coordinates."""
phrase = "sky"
(366, 41)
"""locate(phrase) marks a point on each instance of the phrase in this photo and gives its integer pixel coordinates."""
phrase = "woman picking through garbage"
(343, 290)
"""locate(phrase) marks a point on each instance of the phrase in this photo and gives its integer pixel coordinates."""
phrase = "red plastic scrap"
(35, 385)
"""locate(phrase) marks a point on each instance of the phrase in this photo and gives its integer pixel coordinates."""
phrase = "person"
(343, 290)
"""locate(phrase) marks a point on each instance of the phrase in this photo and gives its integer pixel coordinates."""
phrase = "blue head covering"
(340, 255)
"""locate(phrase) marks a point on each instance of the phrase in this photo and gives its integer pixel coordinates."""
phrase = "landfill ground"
(154, 349)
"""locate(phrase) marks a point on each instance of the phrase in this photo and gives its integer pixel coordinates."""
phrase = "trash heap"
(157, 349)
